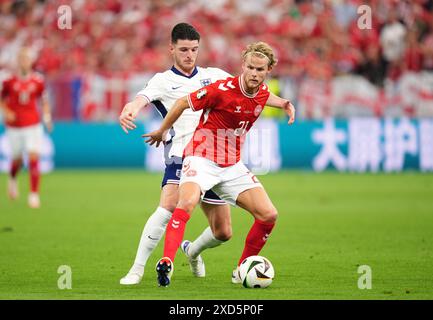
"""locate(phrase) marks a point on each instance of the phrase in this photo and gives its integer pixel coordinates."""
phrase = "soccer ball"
(256, 272)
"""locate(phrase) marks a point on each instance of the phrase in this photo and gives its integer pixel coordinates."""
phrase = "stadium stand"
(327, 64)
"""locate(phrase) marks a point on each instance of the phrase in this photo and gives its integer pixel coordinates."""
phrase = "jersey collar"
(26, 77)
(179, 73)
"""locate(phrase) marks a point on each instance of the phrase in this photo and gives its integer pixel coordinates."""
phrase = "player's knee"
(33, 156)
(168, 205)
(223, 234)
(269, 215)
(187, 204)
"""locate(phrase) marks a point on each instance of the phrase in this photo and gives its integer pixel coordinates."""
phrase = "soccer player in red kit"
(19, 97)
(212, 159)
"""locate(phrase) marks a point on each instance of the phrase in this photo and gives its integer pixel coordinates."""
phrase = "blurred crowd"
(319, 39)
(112, 48)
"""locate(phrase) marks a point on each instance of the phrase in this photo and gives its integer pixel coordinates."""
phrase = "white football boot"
(13, 189)
(34, 201)
(236, 279)
(196, 265)
(134, 276)
(131, 279)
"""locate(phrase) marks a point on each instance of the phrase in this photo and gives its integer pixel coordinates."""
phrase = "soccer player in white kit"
(19, 103)
(162, 91)
(213, 156)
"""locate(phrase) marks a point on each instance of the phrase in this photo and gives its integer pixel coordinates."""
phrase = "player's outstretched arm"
(130, 112)
(171, 117)
(277, 102)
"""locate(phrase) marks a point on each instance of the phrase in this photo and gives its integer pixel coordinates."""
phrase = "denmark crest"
(258, 110)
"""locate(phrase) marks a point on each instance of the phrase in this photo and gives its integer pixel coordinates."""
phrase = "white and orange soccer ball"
(256, 272)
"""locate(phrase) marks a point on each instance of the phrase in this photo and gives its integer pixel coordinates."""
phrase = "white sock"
(152, 233)
(204, 241)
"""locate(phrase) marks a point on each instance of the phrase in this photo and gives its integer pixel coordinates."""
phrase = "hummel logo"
(186, 167)
(229, 85)
(174, 88)
(266, 237)
(175, 224)
(238, 109)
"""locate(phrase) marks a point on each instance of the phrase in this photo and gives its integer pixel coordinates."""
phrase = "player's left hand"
(49, 126)
(157, 137)
(128, 115)
(290, 111)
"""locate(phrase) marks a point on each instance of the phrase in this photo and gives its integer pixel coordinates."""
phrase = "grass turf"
(328, 225)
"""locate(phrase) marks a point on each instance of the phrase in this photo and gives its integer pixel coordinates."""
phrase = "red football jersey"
(228, 114)
(20, 96)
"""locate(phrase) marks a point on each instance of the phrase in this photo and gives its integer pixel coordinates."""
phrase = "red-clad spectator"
(413, 58)
(318, 39)
(427, 49)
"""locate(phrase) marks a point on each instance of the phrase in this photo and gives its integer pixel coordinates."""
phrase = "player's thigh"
(200, 171)
(33, 137)
(169, 196)
(257, 202)
(219, 219)
(15, 139)
(189, 196)
(198, 176)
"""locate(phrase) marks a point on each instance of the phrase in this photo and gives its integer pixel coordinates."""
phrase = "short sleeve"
(154, 90)
(203, 98)
(41, 87)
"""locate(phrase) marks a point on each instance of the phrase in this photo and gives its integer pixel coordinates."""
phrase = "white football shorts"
(226, 182)
(25, 139)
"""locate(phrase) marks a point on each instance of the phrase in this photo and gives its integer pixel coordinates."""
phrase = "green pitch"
(329, 224)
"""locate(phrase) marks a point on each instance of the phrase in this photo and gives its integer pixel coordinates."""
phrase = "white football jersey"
(163, 89)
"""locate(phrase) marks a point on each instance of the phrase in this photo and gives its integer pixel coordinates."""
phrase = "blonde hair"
(261, 49)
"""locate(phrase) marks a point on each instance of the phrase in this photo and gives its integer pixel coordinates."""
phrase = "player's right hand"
(290, 111)
(127, 117)
(156, 136)
(9, 116)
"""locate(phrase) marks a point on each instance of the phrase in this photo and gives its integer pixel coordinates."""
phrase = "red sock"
(256, 238)
(34, 175)
(174, 233)
(15, 168)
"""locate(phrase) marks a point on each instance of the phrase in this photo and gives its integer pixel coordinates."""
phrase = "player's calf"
(256, 238)
(13, 189)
